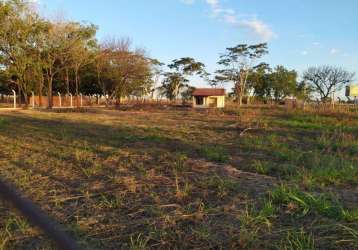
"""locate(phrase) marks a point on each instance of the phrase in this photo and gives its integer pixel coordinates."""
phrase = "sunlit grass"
(159, 178)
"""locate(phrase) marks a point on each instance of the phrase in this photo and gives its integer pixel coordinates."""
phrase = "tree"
(176, 80)
(172, 85)
(258, 81)
(121, 71)
(187, 66)
(238, 62)
(55, 49)
(187, 93)
(283, 82)
(82, 39)
(21, 32)
(327, 80)
(67, 46)
(157, 73)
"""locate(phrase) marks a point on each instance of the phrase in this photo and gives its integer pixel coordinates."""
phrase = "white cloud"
(189, 2)
(257, 27)
(333, 51)
(231, 19)
(317, 44)
(304, 53)
(213, 3)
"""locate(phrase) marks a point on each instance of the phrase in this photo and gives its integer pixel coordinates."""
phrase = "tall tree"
(122, 71)
(283, 82)
(21, 32)
(67, 47)
(83, 43)
(258, 81)
(327, 80)
(172, 84)
(174, 81)
(238, 62)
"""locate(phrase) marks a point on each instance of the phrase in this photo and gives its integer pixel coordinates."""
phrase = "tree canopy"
(43, 56)
(326, 80)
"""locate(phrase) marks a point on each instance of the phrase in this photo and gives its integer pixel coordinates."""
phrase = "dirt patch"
(252, 183)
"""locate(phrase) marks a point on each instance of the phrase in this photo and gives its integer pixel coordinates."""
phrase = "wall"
(220, 102)
(65, 101)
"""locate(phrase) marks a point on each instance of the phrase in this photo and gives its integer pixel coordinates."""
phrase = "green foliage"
(303, 203)
(3, 122)
(237, 64)
(175, 82)
(214, 153)
(224, 186)
(326, 80)
(138, 242)
(298, 241)
(278, 83)
(65, 57)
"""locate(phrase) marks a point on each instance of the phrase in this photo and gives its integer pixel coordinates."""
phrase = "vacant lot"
(166, 178)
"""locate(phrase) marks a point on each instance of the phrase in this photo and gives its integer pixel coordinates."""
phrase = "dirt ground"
(172, 178)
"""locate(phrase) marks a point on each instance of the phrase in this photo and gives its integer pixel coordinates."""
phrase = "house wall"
(220, 102)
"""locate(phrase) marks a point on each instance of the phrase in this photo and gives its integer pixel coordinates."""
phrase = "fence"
(329, 108)
(67, 101)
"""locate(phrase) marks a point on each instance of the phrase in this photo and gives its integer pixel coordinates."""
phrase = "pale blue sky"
(300, 33)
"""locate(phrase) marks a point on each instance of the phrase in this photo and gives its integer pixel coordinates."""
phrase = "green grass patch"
(303, 203)
(298, 240)
(214, 153)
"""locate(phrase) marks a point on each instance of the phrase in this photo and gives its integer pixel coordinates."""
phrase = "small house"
(208, 98)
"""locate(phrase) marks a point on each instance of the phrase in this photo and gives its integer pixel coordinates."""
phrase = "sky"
(299, 33)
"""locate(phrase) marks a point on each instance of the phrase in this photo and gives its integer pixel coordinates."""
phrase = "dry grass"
(177, 178)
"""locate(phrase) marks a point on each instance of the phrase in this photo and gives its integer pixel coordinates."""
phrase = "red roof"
(209, 92)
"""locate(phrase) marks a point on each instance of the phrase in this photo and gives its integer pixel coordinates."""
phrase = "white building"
(209, 98)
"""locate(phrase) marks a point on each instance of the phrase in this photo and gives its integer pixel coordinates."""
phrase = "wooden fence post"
(33, 99)
(59, 99)
(71, 101)
(14, 92)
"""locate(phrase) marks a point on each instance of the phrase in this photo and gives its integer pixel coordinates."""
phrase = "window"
(199, 100)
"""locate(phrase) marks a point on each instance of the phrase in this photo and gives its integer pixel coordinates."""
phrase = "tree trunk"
(238, 94)
(49, 91)
(26, 99)
(118, 101)
(240, 100)
(19, 92)
(40, 90)
(67, 80)
(77, 80)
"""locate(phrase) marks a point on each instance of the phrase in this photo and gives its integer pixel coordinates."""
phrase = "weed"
(3, 122)
(4, 239)
(252, 222)
(224, 186)
(138, 242)
(178, 169)
(261, 167)
(15, 223)
(298, 241)
(109, 201)
(214, 153)
(115, 173)
(303, 203)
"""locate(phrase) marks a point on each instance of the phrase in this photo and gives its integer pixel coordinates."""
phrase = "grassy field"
(177, 178)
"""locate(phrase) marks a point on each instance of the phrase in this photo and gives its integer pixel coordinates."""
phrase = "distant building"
(352, 90)
(209, 98)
